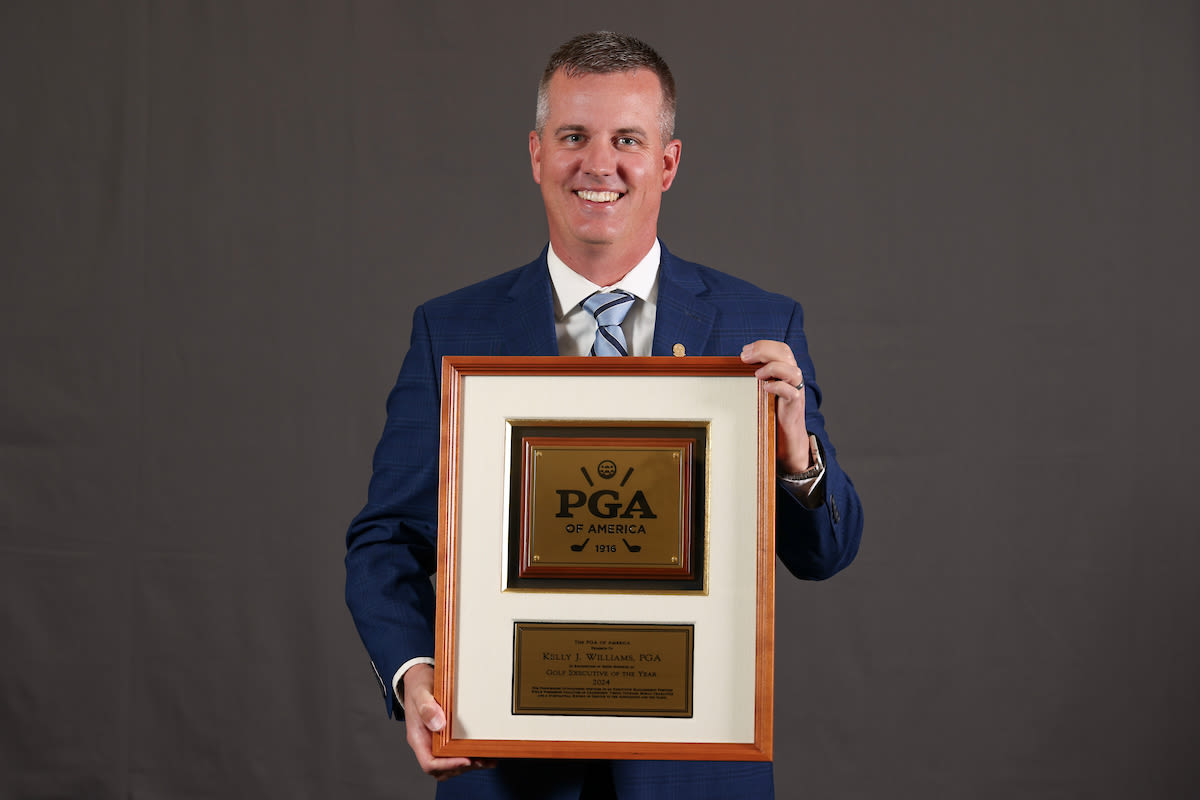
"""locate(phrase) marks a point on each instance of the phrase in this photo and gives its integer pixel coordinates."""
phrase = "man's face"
(602, 163)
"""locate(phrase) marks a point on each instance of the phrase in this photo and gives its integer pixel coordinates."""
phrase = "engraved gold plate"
(597, 504)
(615, 503)
(600, 669)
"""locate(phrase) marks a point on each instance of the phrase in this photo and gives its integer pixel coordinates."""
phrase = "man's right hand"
(422, 718)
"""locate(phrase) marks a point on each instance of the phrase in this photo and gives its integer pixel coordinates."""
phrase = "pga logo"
(604, 503)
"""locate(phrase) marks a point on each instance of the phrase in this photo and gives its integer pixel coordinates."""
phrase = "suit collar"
(571, 288)
(525, 325)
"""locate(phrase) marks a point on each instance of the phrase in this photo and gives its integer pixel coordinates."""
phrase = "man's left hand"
(784, 380)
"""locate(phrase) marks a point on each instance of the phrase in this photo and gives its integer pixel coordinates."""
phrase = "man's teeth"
(598, 197)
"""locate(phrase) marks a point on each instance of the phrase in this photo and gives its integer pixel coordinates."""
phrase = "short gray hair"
(602, 53)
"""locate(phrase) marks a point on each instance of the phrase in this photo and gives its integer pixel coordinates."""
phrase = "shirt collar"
(571, 288)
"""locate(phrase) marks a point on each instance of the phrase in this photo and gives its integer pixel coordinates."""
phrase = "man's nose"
(599, 159)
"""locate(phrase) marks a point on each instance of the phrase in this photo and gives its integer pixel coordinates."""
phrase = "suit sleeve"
(391, 546)
(815, 544)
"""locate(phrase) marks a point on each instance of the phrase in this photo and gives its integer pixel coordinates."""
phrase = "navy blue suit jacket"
(392, 543)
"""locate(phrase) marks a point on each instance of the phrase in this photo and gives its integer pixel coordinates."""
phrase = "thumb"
(431, 714)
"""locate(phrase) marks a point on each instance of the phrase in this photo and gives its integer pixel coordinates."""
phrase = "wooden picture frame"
(588, 661)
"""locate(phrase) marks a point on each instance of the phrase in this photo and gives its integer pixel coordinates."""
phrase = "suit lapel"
(525, 322)
(682, 316)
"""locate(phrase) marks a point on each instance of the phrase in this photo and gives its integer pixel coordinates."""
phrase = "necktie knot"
(609, 309)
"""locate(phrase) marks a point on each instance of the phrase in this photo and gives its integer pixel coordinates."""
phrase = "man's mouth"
(598, 197)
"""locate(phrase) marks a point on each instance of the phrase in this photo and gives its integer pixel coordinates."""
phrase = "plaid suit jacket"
(392, 543)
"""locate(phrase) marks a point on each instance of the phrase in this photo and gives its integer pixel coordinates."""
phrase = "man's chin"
(598, 241)
(593, 238)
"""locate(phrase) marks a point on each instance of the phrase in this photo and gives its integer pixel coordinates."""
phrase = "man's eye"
(627, 141)
(573, 138)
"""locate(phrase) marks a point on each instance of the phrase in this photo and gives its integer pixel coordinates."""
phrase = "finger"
(421, 742)
(459, 769)
(418, 696)
(424, 716)
(766, 350)
(784, 391)
(782, 372)
(442, 768)
(430, 712)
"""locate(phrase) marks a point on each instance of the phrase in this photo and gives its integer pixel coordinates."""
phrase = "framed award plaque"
(605, 559)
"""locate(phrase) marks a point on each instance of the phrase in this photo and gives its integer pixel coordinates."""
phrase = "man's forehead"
(579, 100)
(563, 83)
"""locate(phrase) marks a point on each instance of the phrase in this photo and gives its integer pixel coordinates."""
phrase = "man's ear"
(535, 156)
(671, 157)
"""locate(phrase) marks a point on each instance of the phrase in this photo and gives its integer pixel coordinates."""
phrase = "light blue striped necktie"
(609, 309)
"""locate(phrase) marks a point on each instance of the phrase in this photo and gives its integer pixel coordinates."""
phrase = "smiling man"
(603, 153)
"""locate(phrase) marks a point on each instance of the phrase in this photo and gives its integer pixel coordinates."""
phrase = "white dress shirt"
(574, 324)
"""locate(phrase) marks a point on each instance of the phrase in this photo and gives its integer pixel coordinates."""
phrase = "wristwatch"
(817, 468)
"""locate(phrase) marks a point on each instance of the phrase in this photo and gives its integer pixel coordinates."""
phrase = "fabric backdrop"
(218, 217)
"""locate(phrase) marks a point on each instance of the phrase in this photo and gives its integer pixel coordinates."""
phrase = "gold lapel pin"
(678, 350)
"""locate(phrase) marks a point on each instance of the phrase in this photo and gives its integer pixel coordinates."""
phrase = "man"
(603, 153)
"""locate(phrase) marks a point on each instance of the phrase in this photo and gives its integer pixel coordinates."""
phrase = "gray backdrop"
(218, 217)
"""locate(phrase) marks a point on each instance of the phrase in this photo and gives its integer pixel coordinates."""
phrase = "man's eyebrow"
(576, 128)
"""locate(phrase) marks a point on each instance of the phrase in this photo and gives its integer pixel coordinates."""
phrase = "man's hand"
(782, 377)
(422, 718)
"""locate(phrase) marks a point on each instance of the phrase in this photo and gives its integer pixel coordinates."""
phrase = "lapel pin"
(678, 350)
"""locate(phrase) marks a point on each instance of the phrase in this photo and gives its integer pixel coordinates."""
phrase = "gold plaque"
(584, 511)
(606, 652)
(593, 505)
(600, 669)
